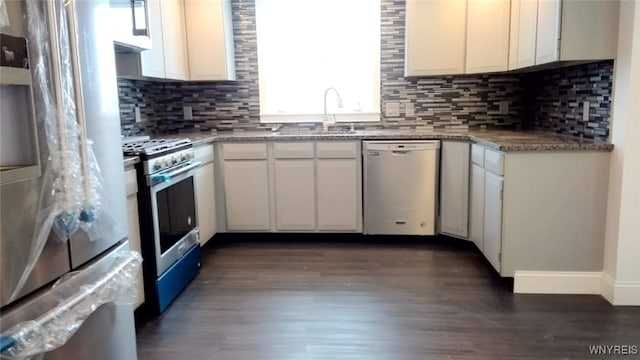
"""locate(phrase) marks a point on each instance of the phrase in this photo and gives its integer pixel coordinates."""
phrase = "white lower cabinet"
(539, 210)
(205, 193)
(295, 194)
(246, 188)
(134, 229)
(476, 206)
(293, 186)
(454, 189)
(338, 189)
(492, 233)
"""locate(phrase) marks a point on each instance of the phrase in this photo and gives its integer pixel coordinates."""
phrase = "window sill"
(317, 118)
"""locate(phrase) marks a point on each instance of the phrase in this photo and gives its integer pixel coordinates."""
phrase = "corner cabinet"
(546, 31)
(131, 184)
(210, 39)
(539, 210)
(205, 193)
(293, 186)
(454, 188)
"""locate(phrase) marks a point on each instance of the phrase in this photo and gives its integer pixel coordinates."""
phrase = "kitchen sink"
(303, 132)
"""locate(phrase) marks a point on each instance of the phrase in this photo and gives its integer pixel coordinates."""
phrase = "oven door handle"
(166, 177)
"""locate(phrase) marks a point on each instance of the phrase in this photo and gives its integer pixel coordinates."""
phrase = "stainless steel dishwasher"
(400, 179)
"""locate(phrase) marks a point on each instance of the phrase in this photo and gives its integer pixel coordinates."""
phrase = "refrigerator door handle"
(82, 302)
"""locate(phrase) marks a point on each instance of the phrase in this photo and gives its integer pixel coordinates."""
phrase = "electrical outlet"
(409, 109)
(585, 111)
(136, 112)
(392, 109)
(504, 107)
(188, 113)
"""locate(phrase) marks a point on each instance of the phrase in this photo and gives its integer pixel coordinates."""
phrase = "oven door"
(174, 214)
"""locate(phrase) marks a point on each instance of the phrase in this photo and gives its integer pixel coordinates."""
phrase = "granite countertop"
(502, 140)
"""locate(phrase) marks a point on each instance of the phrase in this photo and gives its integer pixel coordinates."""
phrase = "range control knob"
(156, 166)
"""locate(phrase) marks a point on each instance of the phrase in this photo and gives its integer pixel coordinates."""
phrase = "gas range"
(167, 216)
(159, 154)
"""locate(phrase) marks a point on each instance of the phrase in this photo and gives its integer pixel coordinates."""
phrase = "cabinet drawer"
(131, 182)
(244, 151)
(293, 150)
(204, 153)
(337, 150)
(477, 154)
(494, 161)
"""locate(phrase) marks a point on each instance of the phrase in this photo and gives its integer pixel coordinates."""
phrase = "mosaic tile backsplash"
(440, 102)
(554, 100)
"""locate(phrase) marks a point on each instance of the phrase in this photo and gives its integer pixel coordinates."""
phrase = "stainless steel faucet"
(325, 118)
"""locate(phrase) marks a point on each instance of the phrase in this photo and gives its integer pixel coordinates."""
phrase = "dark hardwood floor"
(310, 297)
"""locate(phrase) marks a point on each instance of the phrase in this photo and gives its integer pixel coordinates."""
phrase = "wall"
(468, 100)
(621, 273)
(447, 102)
(554, 100)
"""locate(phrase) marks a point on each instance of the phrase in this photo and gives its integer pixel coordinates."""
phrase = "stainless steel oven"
(167, 213)
(173, 210)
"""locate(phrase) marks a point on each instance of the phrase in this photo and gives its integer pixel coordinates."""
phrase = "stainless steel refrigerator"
(58, 62)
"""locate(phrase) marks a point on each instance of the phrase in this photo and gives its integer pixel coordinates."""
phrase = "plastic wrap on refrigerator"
(72, 192)
(79, 295)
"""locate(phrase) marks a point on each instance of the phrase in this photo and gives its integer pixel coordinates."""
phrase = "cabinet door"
(548, 31)
(435, 37)
(175, 41)
(492, 246)
(246, 188)
(295, 195)
(527, 27)
(134, 243)
(206, 202)
(152, 61)
(476, 206)
(454, 188)
(339, 200)
(488, 35)
(210, 39)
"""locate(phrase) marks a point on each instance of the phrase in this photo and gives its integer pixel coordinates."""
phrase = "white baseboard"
(622, 293)
(557, 282)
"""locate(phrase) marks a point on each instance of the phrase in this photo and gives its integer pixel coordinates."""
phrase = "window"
(307, 46)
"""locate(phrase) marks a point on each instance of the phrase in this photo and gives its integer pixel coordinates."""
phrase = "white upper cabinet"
(487, 35)
(210, 40)
(435, 37)
(174, 40)
(167, 59)
(454, 188)
(545, 31)
(151, 61)
(524, 24)
(548, 31)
